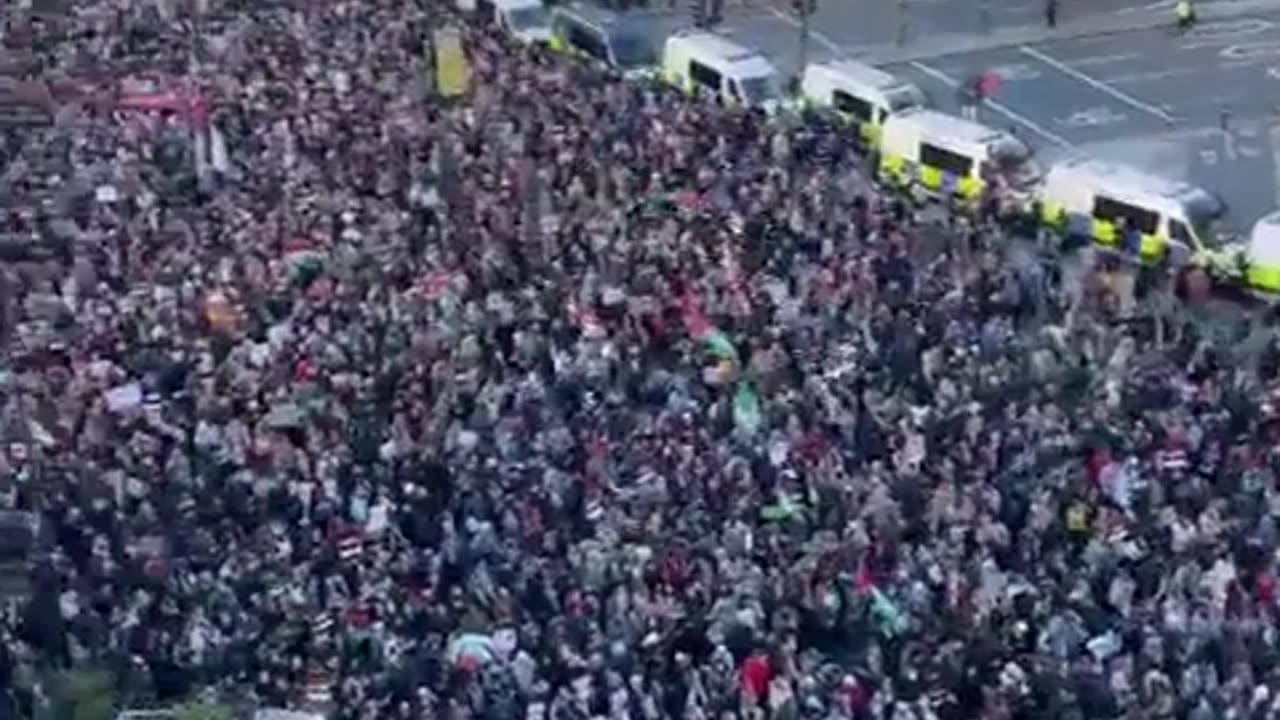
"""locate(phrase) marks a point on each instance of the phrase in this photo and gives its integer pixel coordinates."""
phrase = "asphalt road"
(848, 23)
(1149, 98)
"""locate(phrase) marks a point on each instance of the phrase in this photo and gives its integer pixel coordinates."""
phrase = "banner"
(453, 75)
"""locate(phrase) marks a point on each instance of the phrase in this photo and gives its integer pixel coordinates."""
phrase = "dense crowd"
(580, 399)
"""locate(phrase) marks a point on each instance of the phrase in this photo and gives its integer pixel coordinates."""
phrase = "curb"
(943, 45)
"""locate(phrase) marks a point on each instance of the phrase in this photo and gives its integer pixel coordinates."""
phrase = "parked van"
(706, 62)
(604, 37)
(950, 156)
(526, 20)
(1098, 199)
(858, 94)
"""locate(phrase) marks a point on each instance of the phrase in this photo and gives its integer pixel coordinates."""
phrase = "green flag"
(719, 345)
(888, 618)
(746, 408)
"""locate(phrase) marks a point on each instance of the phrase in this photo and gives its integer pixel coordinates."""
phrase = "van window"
(1178, 232)
(734, 94)
(586, 41)
(704, 76)
(855, 106)
(945, 160)
(1105, 208)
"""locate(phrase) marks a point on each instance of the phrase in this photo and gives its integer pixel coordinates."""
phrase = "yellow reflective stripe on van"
(969, 187)
(556, 43)
(1104, 231)
(1264, 277)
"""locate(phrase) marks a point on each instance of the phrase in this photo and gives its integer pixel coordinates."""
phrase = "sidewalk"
(936, 46)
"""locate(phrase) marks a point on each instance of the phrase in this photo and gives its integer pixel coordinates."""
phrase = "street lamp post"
(805, 9)
(902, 22)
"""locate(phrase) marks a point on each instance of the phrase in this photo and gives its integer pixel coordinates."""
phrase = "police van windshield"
(632, 51)
(1013, 159)
(759, 90)
(905, 97)
(528, 17)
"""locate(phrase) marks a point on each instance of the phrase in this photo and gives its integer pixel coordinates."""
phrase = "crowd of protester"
(575, 398)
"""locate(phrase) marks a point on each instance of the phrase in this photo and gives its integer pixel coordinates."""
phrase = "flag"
(864, 582)
(720, 346)
(434, 285)
(889, 620)
(453, 74)
(304, 259)
(746, 409)
(700, 328)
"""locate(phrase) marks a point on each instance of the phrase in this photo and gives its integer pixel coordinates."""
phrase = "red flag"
(865, 581)
(695, 322)
(435, 284)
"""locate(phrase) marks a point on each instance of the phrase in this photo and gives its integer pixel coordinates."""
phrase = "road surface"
(1201, 107)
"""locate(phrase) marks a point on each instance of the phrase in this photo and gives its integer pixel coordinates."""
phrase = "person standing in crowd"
(567, 397)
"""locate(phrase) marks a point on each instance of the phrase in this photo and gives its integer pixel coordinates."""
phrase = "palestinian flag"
(304, 260)
(888, 619)
(746, 409)
(701, 329)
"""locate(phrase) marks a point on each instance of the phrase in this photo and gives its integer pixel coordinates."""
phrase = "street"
(1148, 97)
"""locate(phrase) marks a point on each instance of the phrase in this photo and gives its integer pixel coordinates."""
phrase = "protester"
(576, 398)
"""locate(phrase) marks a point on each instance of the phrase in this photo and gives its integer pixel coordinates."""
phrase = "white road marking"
(1150, 76)
(823, 40)
(1225, 31)
(1149, 7)
(1097, 84)
(1104, 59)
(1016, 71)
(1021, 120)
(1250, 51)
(1093, 117)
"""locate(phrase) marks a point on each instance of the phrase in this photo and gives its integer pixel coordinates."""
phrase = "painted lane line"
(1149, 7)
(1097, 84)
(823, 40)
(1104, 59)
(1144, 77)
(1026, 122)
